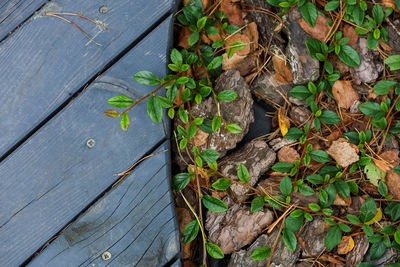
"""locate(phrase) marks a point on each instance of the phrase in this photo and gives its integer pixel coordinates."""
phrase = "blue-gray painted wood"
(135, 222)
(14, 12)
(53, 176)
(47, 59)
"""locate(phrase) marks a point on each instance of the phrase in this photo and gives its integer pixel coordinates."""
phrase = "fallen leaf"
(343, 152)
(385, 46)
(348, 31)
(390, 4)
(238, 37)
(233, 12)
(332, 259)
(247, 65)
(284, 122)
(374, 174)
(371, 94)
(391, 157)
(184, 35)
(232, 62)
(319, 31)
(178, 101)
(393, 183)
(377, 218)
(184, 217)
(282, 70)
(344, 93)
(341, 201)
(252, 33)
(345, 245)
(383, 166)
(200, 138)
(288, 154)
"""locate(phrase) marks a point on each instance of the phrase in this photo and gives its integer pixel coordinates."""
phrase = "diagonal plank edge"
(47, 60)
(135, 223)
(54, 175)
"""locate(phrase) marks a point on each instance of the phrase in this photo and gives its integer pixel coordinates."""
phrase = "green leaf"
(332, 5)
(257, 204)
(329, 117)
(320, 156)
(221, 184)
(191, 231)
(309, 13)
(368, 230)
(218, 43)
(282, 166)
(368, 210)
(306, 190)
(349, 56)
(374, 174)
(344, 227)
(214, 251)
(215, 63)
(333, 237)
(294, 223)
(243, 173)
(154, 109)
(216, 123)
(393, 62)
(192, 131)
(227, 96)
(261, 253)
(214, 204)
(146, 78)
(180, 181)
(201, 22)
(393, 209)
(315, 179)
(313, 46)
(342, 188)
(290, 240)
(176, 57)
(353, 219)
(377, 250)
(397, 169)
(120, 101)
(234, 128)
(193, 38)
(378, 14)
(294, 133)
(124, 122)
(314, 207)
(369, 108)
(209, 155)
(372, 43)
(300, 91)
(388, 230)
(286, 186)
(382, 188)
(365, 264)
(183, 115)
(183, 143)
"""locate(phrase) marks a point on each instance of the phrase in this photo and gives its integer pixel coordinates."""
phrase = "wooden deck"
(54, 83)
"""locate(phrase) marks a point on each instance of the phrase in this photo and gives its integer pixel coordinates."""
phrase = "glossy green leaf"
(146, 78)
(209, 155)
(214, 204)
(261, 253)
(154, 109)
(191, 231)
(243, 173)
(214, 251)
(349, 56)
(120, 101)
(180, 181)
(124, 122)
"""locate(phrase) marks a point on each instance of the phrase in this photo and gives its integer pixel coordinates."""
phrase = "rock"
(247, 65)
(282, 256)
(256, 156)
(270, 88)
(304, 67)
(299, 114)
(278, 143)
(289, 154)
(314, 235)
(343, 152)
(237, 227)
(319, 31)
(390, 256)
(266, 23)
(356, 255)
(370, 66)
(239, 111)
(344, 93)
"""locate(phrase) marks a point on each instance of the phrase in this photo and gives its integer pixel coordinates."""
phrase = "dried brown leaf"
(319, 31)
(344, 93)
(282, 70)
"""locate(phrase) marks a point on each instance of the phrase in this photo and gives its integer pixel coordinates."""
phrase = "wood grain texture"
(47, 60)
(53, 176)
(135, 222)
(14, 12)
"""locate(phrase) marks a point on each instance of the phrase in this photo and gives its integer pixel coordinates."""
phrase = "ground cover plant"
(336, 133)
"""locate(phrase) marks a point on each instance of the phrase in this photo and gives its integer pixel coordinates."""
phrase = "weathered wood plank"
(14, 12)
(135, 222)
(53, 176)
(47, 60)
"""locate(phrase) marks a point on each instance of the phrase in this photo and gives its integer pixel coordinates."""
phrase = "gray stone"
(304, 67)
(282, 256)
(237, 227)
(314, 235)
(279, 142)
(370, 67)
(270, 88)
(256, 156)
(388, 257)
(356, 255)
